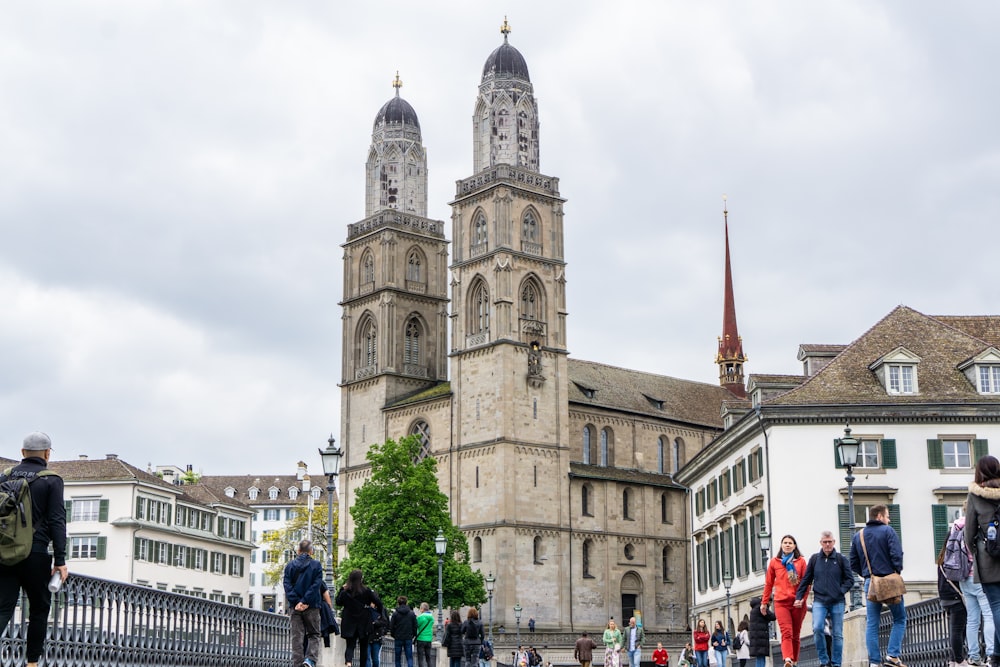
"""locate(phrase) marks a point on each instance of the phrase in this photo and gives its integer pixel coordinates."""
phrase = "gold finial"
(397, 83)
(725, 207)
(505, 29)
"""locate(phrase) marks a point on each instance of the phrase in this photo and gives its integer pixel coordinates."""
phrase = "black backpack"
(737, 642)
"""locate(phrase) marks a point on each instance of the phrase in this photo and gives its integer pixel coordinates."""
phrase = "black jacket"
(48, 511)
(759, 630)
(356, 620)
(472, 632)
(453, 640)
(948, 591)
(830, 576)
(403, 624)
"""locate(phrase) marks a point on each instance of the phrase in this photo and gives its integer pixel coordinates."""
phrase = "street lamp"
(517, 621)
(847, 448)
(491, 583)
(764, 539)
(727, 581)
(331, 467)
(440, 545)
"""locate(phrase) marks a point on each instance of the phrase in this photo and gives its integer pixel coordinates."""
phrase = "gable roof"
(107, 469)
(217, 484)
(635, 391)
(941, 343)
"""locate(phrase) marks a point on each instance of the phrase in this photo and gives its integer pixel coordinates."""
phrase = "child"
(660, 655)
(687, 656)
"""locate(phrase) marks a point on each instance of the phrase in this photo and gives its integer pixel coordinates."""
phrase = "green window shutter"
(760, 463)
(939, 519)
(135, 547)
(102, 548)
(888, 453)
(844, 519)
(189, 558)
(935, 457)
(743, 471)
(102, 514)
(896, 521)
(69, 510)
(980, 447)
(169, 512)
(836, 454)
(154, 551)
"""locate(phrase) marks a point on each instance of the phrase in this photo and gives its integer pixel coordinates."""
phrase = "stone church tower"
(395, 283)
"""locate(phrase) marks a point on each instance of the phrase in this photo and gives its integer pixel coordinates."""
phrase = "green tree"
(282, 544)
(397, 514)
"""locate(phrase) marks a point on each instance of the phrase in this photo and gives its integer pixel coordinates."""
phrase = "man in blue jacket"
(829, 574)
(885, 553)
(302, 580)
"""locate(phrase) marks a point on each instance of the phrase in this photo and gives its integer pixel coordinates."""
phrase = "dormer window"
(983, 371)
(897, 371)
(293, 492)
(272, 493)
(587, 391)
(254, 491)
(230, 492)
(655, 402)
(315, 492)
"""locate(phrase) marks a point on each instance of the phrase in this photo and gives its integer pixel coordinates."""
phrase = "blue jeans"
(633, 657)
(374, 651)
(399, 648)
(720, 657)
(993, 595)
(761, 661)
(978, 608)
(873, 610)
(836, 613)
(701, 658)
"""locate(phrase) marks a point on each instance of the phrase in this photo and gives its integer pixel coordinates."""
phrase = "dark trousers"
(957, 620)
(423, 654)
(32, 574)
(305, 635)
(349, 651)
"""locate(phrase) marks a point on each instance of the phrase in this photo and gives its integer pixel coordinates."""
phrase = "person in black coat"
(403, 628)
(453, 639)
(760, 632)
(356, 620)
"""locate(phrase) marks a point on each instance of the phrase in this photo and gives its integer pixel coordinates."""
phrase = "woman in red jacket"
(782, 578)
(700, 638)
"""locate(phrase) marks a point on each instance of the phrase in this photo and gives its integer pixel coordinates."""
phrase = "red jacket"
(660, 656)
(776, 581)
(700, 640)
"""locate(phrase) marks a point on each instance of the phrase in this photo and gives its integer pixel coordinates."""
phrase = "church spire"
(730, 357)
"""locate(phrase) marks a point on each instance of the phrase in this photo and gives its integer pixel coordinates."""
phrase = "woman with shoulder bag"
(356, 620)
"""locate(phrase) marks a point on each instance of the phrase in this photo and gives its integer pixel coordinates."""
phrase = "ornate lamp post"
(727, 581)
(491, 583)
(847, 449)
(331, 467)
(517, 621)
(764, 539)
(440, 546)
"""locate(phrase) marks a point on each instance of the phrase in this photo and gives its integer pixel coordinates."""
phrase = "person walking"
(743, 652)
(720, 644)
(634, 636)
(759, 631)
(452, 639)
(583, 651)
(403, 628)
(700, 637)
(981, 504)
(781, 581)
(880, 554)
(950, 597)
(425, 635)
(48, 517)
(380, 627)
(473, 636)
(977, 607)
(829, 574)
(302, 580)
(612, 645)
(356, 621)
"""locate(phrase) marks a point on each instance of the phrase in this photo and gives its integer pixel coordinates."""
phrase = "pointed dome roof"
(397, 110)
(506, 60)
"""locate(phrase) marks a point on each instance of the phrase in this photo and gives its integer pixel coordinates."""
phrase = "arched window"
(627, 504)
(479, 308)
(676, 463)
(420, 428)
(369, 344)
(477, 549)
(367, 268)
(585, 500)
(661, 453)
(607, 442)
(588, 444)
(411, 342)
(529, 228)
(414, 271)
(664, 508)
(530, 301)
(665, 563)
(479, 228)
(587, 548)
(536, 549)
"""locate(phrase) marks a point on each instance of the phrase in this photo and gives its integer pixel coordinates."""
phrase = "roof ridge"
(647, 373)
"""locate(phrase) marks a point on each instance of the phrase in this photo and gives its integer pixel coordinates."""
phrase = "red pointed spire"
(730, 357)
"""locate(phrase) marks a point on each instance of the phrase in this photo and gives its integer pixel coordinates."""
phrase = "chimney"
(111, 457)
(301, 472)
(190, 467)
(83, 457)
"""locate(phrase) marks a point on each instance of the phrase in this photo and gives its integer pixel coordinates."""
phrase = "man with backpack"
(829, 573)
(25, 562)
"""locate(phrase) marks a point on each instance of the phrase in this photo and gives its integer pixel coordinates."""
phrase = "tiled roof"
(632, 391)
(941, 344)
(203, 494)
(761, 378)
(437, 391)
(105, 469)
(242, 483)
(984, 327)
(821, 348)
(620, 475)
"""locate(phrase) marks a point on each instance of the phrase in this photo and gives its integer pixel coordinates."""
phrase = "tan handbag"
(886, 590)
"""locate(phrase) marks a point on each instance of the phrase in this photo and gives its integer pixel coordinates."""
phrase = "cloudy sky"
(176, 179)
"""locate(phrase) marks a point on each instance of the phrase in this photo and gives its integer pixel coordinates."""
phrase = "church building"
(558, 470)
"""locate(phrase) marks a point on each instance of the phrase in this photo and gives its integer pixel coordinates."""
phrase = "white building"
(125, 524)
(922, 394)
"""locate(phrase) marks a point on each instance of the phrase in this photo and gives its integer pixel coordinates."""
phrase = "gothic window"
(588, 444)
(627, 504)
(369, 349)
(664, 508)
(479, 308)
(676, 462)
(607, 442)
(411, 342)
(421, 429)
(530, 301)
(367, 268)
(414, 271)
(479, 231)
(661, 453)
(587, 548)
(529, 228)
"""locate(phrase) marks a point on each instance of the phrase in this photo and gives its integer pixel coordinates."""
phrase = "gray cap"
(37, 442)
